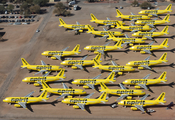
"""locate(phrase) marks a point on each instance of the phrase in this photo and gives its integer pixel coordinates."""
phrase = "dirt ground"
(52, 37)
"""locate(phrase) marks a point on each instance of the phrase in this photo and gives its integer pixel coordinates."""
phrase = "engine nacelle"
(112, 26)
(76, 106)
(86, 87)
(74, 67)
(129, 97)
(140, 68)
(36, 84)
(96, 52)
(131, 44)
(133, 108)
(120, 73)
(69, 96)
(80, 30)
(142, 52)
(17, 105)
(53, 58)
(137, 87)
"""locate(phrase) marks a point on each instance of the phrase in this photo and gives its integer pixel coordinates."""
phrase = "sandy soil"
(55, 38)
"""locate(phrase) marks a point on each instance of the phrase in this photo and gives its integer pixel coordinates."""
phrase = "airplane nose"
(120, 103)
(86, 48)
(73, 82)
(131, 48)
(128, 64)
(43, 53)
(63, 63)
(5, 100)
(24, 80)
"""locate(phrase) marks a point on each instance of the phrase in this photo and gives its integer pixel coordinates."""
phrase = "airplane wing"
(154, 15)
(146, 77)
(105, 36)
(134, 31)
(77, 23)
(144, 97)
(151, 25)
(22, 104)
(148, 37)
(152, 30)
(100, 51)
(122, 87)
(108, 24)
(107, 44)
(132, 24)
(91, 86)
(46, 74)
(63, 95)
(126, 36)
(88, 96)
(115, 71)
(140, 107)
(97, 76)
(134, 19)
(80, 105)
(41, 71)
(108, 18)
(79, 66)
(146, 66)
(28, 95)
(58, 57)
(104, 29)
(147, 58)
(122, 96)
(151, 43)
(147, 51)
(143, 86)
(84, 57)
(65, 86)
(65, 48)
(132, 13)
(113, 63)
(43, 63)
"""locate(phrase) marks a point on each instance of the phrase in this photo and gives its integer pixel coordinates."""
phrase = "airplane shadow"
(3, 40)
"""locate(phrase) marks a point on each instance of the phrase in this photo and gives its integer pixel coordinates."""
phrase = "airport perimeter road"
(26, 50)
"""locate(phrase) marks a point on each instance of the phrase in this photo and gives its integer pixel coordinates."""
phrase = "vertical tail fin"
(62, 23)
(96, 63)
(110, 35)
(161, 97)
(169, 7)
(103, 86)
(44, 85)
(98, 57)
(163, 76)
(119, 44)
(165, 43)
(165, 30)
(163, 57)
(90, 28)
(24, 62)
(44, 95)
(111, 76)
(118, 13)
(103, 96)
(118, 24)
(93, 17)
(76, 49)
(167, 18)
(61, 73)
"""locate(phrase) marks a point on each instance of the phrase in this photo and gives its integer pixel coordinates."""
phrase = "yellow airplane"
(45, 78)
(147, 63)
(109, 23)
(63, 92)
(133, 28)
(80, 63)
(103, 48)
(142, 83)
(89, 83)
(123, 92)
(113, 68)
(126, 40)
(102, 33)
(149, 35)
(22, 101)
(41, 68)
(151, 23)
(140, 104)
(148, 48)
(81, 102)
(131, 17)
(156, 12)
(76, 27)
(58, 54)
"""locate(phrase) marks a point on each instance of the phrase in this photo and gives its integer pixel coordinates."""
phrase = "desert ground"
(23, 42)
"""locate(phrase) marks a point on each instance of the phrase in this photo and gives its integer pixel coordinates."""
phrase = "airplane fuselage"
(116, 68)
(131, 40)
(154, 11)
(131, 17)
(75, 26)
(60, 53)
(131, 28)
(146, 47)
(107, 22)
(77, 62)
(141, 81)
(22, 99)
(102, 33)
(90, 81)
(151, 34)
(153, 22)
(100, 47)
(43, 67)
